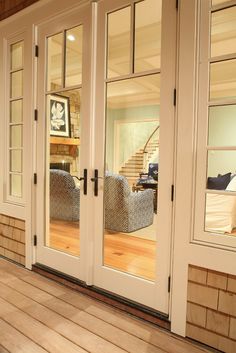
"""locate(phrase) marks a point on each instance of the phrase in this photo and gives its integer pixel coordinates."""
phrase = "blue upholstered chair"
(151, 176)
(126, 211)
(64, 196)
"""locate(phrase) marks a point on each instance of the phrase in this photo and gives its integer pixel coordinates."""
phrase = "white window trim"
(199, 235)
(7, 197)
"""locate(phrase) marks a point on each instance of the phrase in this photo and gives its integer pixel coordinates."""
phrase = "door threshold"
(121, 303)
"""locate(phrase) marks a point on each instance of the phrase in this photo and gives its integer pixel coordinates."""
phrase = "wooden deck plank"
(51, 304)
(14, 342)
(80, 306)
(144, 331)
(2, 349)
(81, 324)
(40, 334)
(68, 329)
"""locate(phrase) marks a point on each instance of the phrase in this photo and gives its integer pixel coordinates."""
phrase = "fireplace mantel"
(64, 141)
(72, 143)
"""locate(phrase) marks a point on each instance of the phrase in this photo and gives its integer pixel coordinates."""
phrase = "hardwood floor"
(121, 251)
(38, 315)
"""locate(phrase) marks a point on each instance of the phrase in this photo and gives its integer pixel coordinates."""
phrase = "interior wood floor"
(121, 251)
(38, 315)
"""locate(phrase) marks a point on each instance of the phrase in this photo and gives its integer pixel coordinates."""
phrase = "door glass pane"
(220, 213)
(54, 62)
(16, 161)
(130, 200)
(148, 35)
(223, 80)
(17, 84)
(16, 185)
(17, 56)
(223, 32)
(64, 188)
(222, 126)
(16, 111)
(118, 46)
(220, 163)
(74, 45)
(218, 2)
(16, 136)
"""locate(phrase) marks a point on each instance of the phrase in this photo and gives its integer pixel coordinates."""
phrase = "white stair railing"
(147, 151)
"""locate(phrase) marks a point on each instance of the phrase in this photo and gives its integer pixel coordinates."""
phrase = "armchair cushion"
(126, 211)
(64, 196)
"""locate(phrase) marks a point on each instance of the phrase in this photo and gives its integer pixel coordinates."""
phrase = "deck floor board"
(39, 315)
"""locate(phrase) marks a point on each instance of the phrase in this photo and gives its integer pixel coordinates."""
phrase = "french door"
(104, 206)
(63, 148)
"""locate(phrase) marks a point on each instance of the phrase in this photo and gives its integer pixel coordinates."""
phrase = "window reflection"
(64, 172)
(131, 175)
(223, 32)
(118, 42)
(223, 80)
(74, 45)
(222, 126)
(54, 62)
(148, 35)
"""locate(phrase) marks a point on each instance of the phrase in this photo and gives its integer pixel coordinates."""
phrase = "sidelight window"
(217, 115)
(15, 122)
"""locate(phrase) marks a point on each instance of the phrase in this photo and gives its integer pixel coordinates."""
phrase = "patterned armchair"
(126, 211)
(64, 196)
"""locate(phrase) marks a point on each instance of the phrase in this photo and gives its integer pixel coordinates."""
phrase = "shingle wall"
(211, 310)
(12, 239)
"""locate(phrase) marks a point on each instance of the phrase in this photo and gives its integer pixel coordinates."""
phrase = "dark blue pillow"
(153, 170)
(218, 183)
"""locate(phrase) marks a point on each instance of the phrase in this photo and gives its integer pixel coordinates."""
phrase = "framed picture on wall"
(59, 115)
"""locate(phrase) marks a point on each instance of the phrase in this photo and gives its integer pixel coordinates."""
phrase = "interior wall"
(129, 143)
(222, 132)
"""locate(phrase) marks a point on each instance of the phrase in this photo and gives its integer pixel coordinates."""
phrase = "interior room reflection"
(220, 214)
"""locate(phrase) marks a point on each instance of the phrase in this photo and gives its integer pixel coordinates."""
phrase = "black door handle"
(95, 180)
(84, 178)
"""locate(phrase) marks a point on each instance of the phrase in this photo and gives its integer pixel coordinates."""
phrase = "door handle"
(85, 178)
(95, 180)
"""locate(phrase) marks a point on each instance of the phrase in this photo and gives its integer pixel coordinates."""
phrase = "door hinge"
(35, 114)
(35, 240)
(177, 4)
(35, 178)
(36, 51)
(174, 97)
(169, 284)
(172, 192)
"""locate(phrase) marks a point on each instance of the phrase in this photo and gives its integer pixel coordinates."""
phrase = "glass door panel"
(74, 45)
(63, 131)
(118, 42)
(130, 195)
(64, 183)
(54, 61)
(148, 35)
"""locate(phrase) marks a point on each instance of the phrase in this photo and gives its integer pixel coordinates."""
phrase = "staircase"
(134, 166)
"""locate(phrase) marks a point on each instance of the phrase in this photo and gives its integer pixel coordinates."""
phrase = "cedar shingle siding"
(211, 310)
(12, 238)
